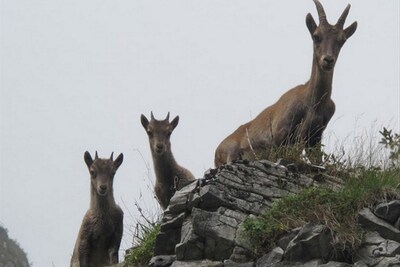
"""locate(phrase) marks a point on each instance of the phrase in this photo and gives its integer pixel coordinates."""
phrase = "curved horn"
(96, 156)
(343, 17)
(167, 118)
(112, 155)
(152, 116)
(321, 12)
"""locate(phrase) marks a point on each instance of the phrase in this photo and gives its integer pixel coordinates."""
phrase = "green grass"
(142, 253)
(336, 210)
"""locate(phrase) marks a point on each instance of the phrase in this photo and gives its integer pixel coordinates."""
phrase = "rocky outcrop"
(203, 225)
(205, 219)
(11, 255)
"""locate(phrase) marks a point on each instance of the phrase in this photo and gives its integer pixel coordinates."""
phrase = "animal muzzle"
(159, 148)
(327, 63)
(102, 190)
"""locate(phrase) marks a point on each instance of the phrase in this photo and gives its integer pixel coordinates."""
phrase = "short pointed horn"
(321, 12)
(112, 155)
(152, 116)
(167, 118)
(343, 17)
(96, 156)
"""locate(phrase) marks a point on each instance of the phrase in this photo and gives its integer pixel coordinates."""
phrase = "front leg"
(84, 245)
(116, 239)
(113, 254)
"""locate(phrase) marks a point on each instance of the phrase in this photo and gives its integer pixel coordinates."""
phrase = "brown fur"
(303, 112)
(100, 234)
(169, 175)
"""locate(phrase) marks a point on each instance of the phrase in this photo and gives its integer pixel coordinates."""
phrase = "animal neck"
(164, 167)
(319, 85)
(100, 203)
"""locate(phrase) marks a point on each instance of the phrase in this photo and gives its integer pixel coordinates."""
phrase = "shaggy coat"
(302, 113)
(169, 175)
(100, 234)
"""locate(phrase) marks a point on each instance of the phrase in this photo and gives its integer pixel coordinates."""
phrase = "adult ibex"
(100, 234)
(169, 175)
(302, 113)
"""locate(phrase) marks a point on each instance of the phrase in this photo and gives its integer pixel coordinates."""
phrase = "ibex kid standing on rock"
(169, 175)
(302, 113)
(100, 234)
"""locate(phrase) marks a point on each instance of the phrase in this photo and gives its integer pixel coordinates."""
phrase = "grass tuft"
(143, 252)
(335, 210)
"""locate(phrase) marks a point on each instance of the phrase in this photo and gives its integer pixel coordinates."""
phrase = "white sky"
(76, 75)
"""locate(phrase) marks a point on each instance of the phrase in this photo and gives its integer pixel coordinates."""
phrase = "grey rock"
(397, 224)
(369, 221)
(205, 218)
(121, 264)
(218, 230)
(389, 262)
(389, 212)
(360, 264)
(214, 224)
(191, 246)
(335, 264)
(372, 238)
(241, 255)
(217, 249)
(173, 223)
(242, 239)
(285, 240)
(312, 242)
(312, 263)
(166, 241)
(162, 261)
(203, 263)
(375, 250)
(11, 254)
(230, 263)
(273, 257)
(180, 200)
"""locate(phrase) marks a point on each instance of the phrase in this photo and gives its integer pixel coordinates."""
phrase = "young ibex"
(169, 175)
(302, 113)
(100, 234)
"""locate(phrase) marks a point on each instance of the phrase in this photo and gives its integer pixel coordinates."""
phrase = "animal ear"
(118, 161)
(310, 22)
(88, 159)
(350, 30)
(144, 121)
(174, 122)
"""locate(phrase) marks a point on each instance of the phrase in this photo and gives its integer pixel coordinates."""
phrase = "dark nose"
(329, 60)
(160, 146)
(103, 187)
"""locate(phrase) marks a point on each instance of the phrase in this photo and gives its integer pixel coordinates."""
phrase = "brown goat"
(302, 113)
(100, 234)
(169, 175)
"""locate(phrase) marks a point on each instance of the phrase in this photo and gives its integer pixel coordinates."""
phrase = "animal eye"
(169, 133)
(317, 38)
(150, 133)
(93, 174)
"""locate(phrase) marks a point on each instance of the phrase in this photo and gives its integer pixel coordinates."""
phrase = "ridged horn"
(152, 116)
(321, 12)
(343, 17)
(96, 156)
(112, 155)
(167, 118)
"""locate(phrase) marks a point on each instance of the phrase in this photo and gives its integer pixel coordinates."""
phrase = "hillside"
(11, 254)
(262, 213)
